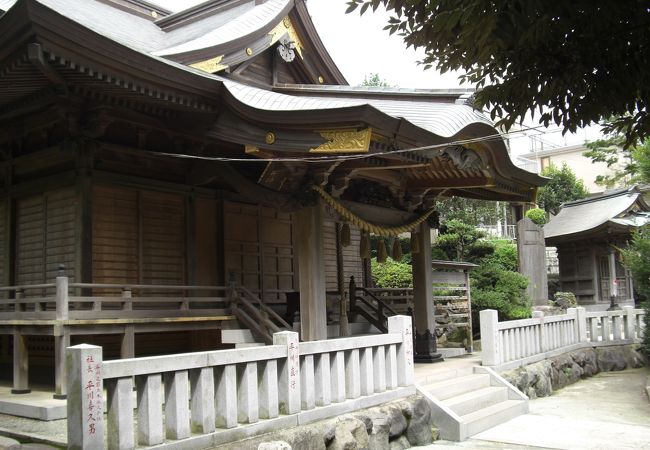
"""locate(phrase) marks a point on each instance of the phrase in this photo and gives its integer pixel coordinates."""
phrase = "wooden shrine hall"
(169, 174)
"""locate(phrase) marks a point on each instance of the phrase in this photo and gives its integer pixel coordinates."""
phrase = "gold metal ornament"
(269, 138)
(211, 65)
(286, 27)
(344, 141)
(249, 51)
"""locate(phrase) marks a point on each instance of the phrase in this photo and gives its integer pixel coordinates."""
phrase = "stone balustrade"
(198, 400)
(515, 343)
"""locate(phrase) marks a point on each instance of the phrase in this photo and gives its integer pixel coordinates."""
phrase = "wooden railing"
(366, 304)
(511, 344)
(451, 298)
(199, 400)
(60, 305)
(261, 319)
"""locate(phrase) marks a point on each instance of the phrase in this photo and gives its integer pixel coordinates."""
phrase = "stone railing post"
(543, 344)
(581, 319)
(629, 326)
(85, 397)
(62, 298)
(289, 376)
(402, 325)
(490, 343)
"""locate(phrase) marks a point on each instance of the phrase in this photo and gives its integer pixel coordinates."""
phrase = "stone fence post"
(85, 397)
(490, 343)
(543, 344)
(629, 326)
(581, 319)
(402, 325)
(289, 376)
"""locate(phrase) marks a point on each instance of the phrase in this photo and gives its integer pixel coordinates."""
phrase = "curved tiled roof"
(240, 26)
(441, 119)
(588, 214)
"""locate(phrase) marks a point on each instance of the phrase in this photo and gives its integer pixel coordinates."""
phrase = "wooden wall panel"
(138, 236)
(206, 267)
(163, 238)
(61, 210)
(45, 236)
(115, 235)
(30, 240)
(3, 241)
(352, 263)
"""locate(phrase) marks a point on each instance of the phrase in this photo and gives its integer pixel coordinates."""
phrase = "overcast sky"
(360, 47)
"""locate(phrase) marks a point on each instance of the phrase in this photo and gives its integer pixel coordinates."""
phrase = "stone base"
(426, 348)
(21, 391)
(437, 357)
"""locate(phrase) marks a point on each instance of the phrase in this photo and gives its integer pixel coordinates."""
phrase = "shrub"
(565, 299)
(637, 258)
(537, 215)
(391, 274)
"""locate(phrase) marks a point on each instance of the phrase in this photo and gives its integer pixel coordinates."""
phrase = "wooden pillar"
(613, 281)
(426, 348)
(309, 232)
(340, 281)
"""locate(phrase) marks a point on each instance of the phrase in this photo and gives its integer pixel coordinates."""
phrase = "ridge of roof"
(375, 90)
(605, 195)
(197, 12)
(261, 16)
(139, 7)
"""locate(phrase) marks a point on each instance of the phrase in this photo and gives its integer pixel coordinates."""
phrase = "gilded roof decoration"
(344, 141)
(211, 65)
(286, 27)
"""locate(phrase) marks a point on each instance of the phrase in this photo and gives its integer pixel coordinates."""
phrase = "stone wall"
(542, 378)
(393, 426)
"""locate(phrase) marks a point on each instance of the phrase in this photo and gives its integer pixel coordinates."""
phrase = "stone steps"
(467, 404)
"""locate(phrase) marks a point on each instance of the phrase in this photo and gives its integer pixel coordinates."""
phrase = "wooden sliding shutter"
(138, 236)
(3, 241)
(45, 236)
(258, 249)
(115, 235)
(163, 238)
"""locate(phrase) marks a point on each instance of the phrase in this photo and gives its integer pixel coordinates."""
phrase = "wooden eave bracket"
(35, 56)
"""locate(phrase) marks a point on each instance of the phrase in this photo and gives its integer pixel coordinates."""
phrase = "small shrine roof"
(620, 208)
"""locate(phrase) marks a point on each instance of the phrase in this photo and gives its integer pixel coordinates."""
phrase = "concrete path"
(608, 411)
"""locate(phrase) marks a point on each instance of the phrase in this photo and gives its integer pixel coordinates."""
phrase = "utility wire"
(330, 158)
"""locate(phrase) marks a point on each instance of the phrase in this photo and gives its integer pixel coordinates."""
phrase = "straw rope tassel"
(397, 249)
(345, 235)
(381, 251)
(364, 246)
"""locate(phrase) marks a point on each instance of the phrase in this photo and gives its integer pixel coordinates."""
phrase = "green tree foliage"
(374, 80)
(575, 63)
(459, 241)
(537, 215)
(391, 274)
(496, 284)
(469, 210)
(629, 165)
(636, 257)
(563, 186)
